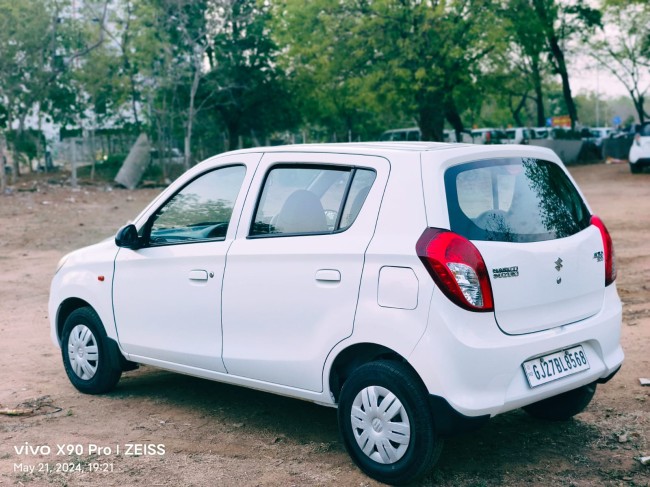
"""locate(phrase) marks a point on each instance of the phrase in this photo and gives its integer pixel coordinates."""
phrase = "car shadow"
(507, 443)
(230, 404)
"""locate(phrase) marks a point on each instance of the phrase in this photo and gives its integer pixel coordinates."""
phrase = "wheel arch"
(65, 309)
(356, 355)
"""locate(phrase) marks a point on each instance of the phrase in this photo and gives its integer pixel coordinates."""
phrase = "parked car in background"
(401, 135)
(450, 135)
(172, 156)
(419, 288)
(519, 135)
(414, 134)
(599, 134)
(541, 132)
(489, 136)
(639, 156)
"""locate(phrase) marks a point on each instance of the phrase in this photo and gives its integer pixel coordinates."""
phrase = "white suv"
(421, 288)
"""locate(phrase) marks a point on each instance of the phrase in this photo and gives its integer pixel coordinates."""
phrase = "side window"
(359, 189)
(200, 211)
(310, 200)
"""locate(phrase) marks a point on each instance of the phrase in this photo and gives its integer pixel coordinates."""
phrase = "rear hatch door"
(532, 228)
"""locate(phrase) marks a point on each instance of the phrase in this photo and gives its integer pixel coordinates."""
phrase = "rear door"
(292, 277)
(532, 227)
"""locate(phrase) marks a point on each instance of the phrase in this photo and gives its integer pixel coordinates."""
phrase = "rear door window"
(300, 200)
(513, 200)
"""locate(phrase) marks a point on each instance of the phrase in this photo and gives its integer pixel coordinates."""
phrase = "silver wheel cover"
(380, 424)
(83, 352)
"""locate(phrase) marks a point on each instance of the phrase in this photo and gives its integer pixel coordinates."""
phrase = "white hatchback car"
(640, 150)
(421, 288)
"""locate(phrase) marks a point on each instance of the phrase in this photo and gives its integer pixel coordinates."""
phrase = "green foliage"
(356, 61)
(201, 75)
(25, 142)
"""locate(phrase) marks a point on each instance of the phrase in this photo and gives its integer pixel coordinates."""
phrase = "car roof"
(386, 148)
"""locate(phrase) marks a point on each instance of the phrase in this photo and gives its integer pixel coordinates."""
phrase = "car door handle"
(330, 275)
(198, 275)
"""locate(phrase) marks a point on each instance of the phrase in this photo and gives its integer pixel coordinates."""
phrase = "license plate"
(555, 366)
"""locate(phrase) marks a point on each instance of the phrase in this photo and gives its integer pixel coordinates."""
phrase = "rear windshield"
(513, 200)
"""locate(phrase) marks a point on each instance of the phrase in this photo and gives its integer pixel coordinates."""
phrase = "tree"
(526, 56)
(40, 43)
(622, 46)
(561, 21)
(246, 87)
(419, 58)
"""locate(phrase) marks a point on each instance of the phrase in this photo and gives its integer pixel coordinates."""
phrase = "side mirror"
(128, 238)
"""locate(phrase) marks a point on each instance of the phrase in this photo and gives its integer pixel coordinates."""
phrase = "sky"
(586, 76)
(585, 79)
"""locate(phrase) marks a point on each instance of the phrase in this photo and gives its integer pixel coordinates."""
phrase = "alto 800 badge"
(504, 272)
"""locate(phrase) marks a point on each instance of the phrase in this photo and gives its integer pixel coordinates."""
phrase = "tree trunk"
(16, 159)
(431, 117)
(541, 9)
(566, 86)
(453, 117)
(191, 112)
(93, 152)
(73, 165)
(638, 105)
(41, 150)
(516, 112)
(539, 93)
(3, 175)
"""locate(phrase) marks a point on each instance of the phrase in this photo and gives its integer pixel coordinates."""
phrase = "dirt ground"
(215, 434)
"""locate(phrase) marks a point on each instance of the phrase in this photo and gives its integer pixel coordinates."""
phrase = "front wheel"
(563, 406)
(386, 423)
(86, 356)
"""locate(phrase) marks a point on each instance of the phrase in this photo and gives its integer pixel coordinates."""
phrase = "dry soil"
(215, 434)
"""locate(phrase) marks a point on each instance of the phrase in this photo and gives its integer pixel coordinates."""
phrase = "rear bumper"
(605, 380)
(449, 422)
(477, 369)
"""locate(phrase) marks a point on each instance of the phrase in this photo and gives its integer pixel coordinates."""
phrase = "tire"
(86, 356)
(418, 447)
(635, 169)
(564, 406)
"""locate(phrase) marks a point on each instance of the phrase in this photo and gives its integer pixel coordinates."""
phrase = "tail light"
(637, 139)
(608, 248)
(457, 267)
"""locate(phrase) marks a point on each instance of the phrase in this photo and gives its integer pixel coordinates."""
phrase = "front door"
(167, 295)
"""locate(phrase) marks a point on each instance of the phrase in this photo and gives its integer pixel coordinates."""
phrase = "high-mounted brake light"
(457, 267)
(608, 248)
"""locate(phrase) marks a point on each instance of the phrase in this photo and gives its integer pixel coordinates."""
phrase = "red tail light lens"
(457, 267)
(608, 247)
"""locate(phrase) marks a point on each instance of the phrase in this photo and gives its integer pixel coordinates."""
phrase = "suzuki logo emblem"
(558, 264)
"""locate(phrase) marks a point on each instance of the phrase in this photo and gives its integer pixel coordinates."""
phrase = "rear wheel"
(563, 406)
(386, 423)
(86, 356)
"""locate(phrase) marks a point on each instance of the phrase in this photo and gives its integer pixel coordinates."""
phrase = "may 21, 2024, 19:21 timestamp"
(62, 467)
